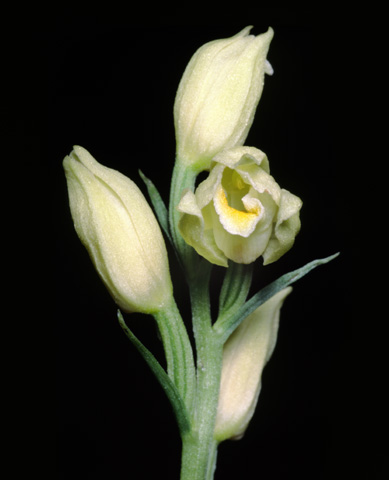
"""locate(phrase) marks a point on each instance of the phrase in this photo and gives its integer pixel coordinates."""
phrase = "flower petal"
(286, 228)
(242, 156)
(207, 188)
(247, 249)
(240, 249)
(237, 222)
(192, 228)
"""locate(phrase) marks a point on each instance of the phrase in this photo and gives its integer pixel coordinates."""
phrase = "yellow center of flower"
(237, 222)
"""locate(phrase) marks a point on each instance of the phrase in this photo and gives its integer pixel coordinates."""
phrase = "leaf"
(227, 323)
(158, 204)
(163, 378)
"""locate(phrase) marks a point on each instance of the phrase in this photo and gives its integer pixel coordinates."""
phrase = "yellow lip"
(236, 222)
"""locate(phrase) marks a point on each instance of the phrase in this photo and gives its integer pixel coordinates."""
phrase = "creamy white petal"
(286, 228)
(242, 155)
(192, 228)
(237, 222)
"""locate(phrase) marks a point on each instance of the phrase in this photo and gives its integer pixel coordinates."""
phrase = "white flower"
(239, 212)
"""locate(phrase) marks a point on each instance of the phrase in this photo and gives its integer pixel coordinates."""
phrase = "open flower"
(239, 212)
(245, 355)
(119, 230)
(218, 94)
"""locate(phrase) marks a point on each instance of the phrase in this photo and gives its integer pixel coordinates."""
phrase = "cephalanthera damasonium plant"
(235, 216)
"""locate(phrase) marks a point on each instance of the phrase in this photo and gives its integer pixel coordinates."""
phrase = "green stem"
(199, 446)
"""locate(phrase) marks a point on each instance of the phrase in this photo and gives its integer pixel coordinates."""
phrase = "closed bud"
(115, 223)
(245, 354)
(217, 96)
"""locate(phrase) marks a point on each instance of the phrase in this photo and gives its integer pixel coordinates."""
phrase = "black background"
(110, 87)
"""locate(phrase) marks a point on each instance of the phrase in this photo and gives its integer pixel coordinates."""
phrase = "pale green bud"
(245, 354)
(239, 212)
(217, 96)
(115, 223)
